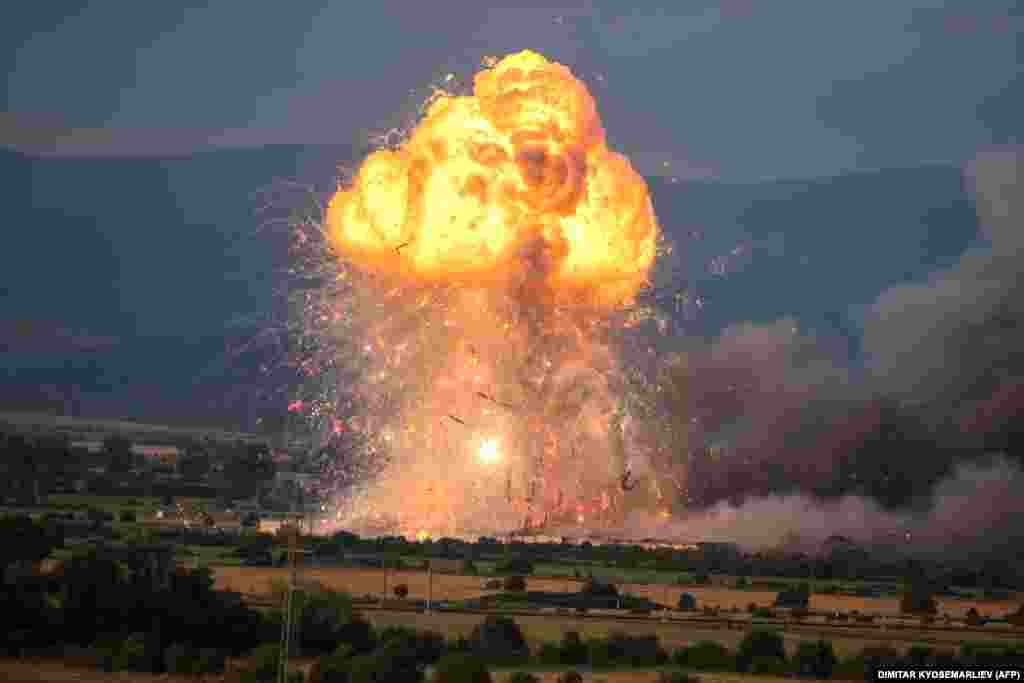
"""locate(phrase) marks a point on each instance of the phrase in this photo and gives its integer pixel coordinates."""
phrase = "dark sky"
(145, 131)
(741, 89)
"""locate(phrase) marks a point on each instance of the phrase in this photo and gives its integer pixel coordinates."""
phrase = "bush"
(128, 516)
(549, 654)
(798, 598)
(599, 652)
(918, 600)
(759, 643)
(514, 565)
(498, 637)
(459, 668)
(815, 659)
(677, 677)
(380, 666)
(515, 584)
(637, 651)
(570, 677)
(705, 655)
(263, 665)
(597, 588)
(574, 650)
(522, 677)
(919, 655)
(332, 668)
(687, 602)
(115, 653)
(769, 666)
(401, 591)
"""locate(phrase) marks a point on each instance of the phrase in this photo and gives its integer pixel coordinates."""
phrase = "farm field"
(458, 587)
(548, 627)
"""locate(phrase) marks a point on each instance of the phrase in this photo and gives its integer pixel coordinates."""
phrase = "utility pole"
(288, 626)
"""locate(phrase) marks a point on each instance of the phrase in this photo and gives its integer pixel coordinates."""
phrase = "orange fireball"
(513, 186)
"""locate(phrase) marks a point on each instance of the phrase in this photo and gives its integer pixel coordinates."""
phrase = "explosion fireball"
(479, 265)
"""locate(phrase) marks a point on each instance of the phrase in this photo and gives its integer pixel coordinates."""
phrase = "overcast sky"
(742, 89)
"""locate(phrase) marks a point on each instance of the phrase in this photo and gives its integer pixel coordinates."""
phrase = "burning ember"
(479, 266)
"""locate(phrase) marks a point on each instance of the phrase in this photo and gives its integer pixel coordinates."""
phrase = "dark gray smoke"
(927, 425)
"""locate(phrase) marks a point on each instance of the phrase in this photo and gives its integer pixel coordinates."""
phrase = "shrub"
(459, 668)
(469, 568)
(815, 659)
(332, 668)
(799, 597)
(515, 583)
(115, 653)
(677, 677)
(522, 677)
(759, 643)
(768, 666)
(597, 588)
(401, 591)
(262, 666)
(687, 602)
(742, 583)
(918, 600)
(574, 650)
(549, 654)
(514, 565)
(919, 655)
(498, 637)
(128, 516)
(570, 677)
(380, 666)
(705, 655)
(637, 651)
(209, 660)
(599, 652)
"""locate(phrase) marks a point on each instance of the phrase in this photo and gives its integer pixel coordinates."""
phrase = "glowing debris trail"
(485, 257)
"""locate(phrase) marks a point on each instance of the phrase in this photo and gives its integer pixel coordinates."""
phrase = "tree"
(498, 637)
(917, 599)
(461, 668)
(514, 565)
(757, 645)
(118, 452)
(815, 659)
(24, 542)
(332, 668)
(594, 587)
(515, 584)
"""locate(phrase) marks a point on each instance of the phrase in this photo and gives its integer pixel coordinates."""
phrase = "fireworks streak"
(498, 250)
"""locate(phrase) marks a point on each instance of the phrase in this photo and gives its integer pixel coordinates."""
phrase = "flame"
(513, 181)
(489, 248)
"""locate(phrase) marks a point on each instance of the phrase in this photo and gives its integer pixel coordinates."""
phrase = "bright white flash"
(489, 451)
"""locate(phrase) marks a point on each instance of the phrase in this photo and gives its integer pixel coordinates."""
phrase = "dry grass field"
(453, 587)
(549, 627)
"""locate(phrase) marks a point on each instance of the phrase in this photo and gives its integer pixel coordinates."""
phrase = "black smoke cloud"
(785, 429)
